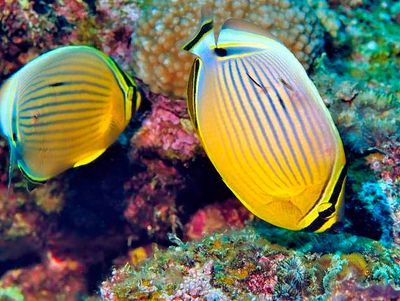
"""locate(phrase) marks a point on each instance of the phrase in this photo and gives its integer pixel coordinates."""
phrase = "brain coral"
(164, 26)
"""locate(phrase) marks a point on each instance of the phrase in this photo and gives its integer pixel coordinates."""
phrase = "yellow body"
(265, 127)
(64, 109)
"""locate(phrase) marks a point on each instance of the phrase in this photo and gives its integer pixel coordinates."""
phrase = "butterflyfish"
(64, 109)
(265, 127)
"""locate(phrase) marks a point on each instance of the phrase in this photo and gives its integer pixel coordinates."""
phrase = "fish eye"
(220, 52)
(14, 137)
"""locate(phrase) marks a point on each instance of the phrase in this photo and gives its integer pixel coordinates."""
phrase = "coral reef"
(29, 28)
(363, 102)
(151, 206)
(349, 290)
(55, 279)
(257, 263)
(164, 26)
(155, 188)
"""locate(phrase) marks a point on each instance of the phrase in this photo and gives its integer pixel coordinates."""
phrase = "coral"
(29, 28)
(349, 290)
(11, 293)
(54, 279)
(22, 226)
(155, 188)
(50, 197)
(115, 22)
(257, 262)
(167, 131)
(196, 285)
(366, 42)
(216, 217)
(366, 117)
(151, 201)
(262, 283)
(163, 27)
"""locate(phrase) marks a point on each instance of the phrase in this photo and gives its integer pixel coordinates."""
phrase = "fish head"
(7, 101)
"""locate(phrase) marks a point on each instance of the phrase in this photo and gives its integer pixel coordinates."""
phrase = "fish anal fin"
(91, 157)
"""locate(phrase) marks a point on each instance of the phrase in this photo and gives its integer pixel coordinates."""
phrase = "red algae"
(167, 130)
(54, 279)
(226, 215)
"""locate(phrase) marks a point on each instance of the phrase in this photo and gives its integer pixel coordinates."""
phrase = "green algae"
(304, 265)
(11, 294)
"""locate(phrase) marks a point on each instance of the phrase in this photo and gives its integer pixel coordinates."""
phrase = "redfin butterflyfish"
(265, 127)
(64, 109)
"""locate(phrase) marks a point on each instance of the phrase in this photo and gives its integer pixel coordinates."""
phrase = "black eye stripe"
(221, 52)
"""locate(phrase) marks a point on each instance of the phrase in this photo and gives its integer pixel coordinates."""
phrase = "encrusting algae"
(257, 263)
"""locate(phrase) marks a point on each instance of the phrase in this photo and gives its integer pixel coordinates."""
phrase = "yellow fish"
(64, 109)
(265, 127)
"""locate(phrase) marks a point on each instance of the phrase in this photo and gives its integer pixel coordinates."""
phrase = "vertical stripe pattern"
(266, 130)
(71, 104)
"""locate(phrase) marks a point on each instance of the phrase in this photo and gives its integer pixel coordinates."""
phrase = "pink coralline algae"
(118, 19)
(168, 131)
(151, 197)
(54, 279)
(217, 217)
(22, 226)
(262, 283)
(387, 162)
(29, 28)
(196, 286)
(350, 291)
(106, 290)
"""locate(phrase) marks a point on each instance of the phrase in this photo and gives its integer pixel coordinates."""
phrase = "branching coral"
(165, 25)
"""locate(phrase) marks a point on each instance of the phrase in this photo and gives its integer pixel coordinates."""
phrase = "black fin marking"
(204, 29)
(323, 216)
(286, 84)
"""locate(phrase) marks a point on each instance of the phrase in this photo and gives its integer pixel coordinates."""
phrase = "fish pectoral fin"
(91, 157)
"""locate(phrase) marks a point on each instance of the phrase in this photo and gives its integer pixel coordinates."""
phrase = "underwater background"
(151, 219)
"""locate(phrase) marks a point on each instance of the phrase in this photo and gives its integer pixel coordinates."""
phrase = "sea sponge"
(164, 26)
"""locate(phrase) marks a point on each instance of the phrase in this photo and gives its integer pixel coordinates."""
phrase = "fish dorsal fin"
(246, 26)
(206, 26)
